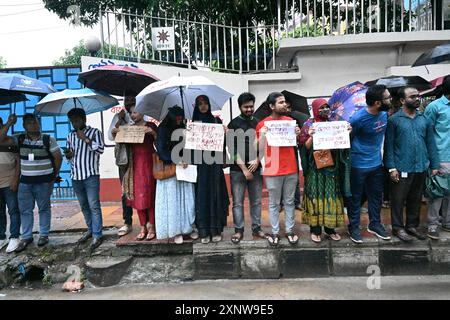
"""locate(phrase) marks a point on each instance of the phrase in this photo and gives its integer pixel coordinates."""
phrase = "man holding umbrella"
(85, 145)
(120, 119)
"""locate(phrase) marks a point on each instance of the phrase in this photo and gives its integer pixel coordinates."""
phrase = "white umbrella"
(158, 97)
(60, 103)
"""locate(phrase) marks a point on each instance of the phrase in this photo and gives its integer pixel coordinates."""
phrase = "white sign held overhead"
(281, 133)
(163, 38)
(331, 135)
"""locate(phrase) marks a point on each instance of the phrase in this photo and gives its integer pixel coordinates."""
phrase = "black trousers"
(407, 190)
(127, 211)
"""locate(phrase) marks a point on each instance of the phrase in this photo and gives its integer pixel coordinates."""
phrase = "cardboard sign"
(331, 135)
(131, 134)
(281, 133)
(204, 136)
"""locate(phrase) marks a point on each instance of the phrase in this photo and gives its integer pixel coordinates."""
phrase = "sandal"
(151, 233)
(178, 239)
(141, 236)
(333, 236)
(273, 239)
(292, 237)
(259, 235)
(237, 237)
(316, 238)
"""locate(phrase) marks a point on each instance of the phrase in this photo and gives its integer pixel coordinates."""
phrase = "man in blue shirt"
(410, 151)
(438, 112)
(369, 125)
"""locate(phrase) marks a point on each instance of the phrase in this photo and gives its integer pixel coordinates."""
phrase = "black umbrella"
(396, 82)
(7, 97)
(117, 80)
(436, 55)
(298, 102)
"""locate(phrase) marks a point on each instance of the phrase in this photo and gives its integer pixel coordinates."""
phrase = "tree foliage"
(3, 63)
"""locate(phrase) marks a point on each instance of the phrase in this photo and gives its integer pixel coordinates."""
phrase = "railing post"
(102, 39)
(240, 47)
(278, 16)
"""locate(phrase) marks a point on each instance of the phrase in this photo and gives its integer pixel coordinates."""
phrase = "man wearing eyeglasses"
(410, 151)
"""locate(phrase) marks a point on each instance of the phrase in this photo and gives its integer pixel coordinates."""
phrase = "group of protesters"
(409, 147)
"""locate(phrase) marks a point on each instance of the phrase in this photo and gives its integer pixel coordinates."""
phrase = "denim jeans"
(371, 182)
(282, 188)
(9, 199)
(434, 207)
(29, 194)
(88, 194)
(238, 186)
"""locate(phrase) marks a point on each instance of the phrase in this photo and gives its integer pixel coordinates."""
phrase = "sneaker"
(355, 235)
(23, 244)
(379, 232)
(433, 233)
(13, 244)
(415, 233)
(126, 229)
(446, 229)
(217, 238)
(96, 242)
(85, 237)
(205, 240)
(3, 243)
(42, 241)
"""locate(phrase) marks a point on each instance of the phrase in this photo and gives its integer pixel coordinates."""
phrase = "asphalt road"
(390, 288)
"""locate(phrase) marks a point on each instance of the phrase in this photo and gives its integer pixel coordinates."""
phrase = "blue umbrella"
(23, 84)
(60, 103)
(7, 97)
(346, 100)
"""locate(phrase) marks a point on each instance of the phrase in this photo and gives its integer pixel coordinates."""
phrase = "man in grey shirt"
(120, 119)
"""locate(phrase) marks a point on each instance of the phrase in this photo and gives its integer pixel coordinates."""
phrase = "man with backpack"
(40, 161)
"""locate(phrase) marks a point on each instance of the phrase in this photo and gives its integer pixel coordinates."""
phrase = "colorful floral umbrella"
(346, 100)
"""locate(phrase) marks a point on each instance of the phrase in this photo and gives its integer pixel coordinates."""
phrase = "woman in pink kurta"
(144, 184)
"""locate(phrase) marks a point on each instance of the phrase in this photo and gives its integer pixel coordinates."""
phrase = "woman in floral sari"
(323, 204)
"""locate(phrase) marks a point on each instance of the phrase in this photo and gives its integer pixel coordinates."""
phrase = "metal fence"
(250, 48)
(309, 18)
(198, 44)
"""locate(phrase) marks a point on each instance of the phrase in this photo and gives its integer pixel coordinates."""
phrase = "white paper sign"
(188, 174)
(163, 38)
(204, 136)
(281, 133)
(331, 135)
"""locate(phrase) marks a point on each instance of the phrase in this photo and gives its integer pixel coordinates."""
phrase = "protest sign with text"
(204, 136)
(281, 133)
(130, 134)
(331, 135)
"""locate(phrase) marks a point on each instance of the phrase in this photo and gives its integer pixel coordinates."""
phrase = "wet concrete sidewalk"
(66, 216)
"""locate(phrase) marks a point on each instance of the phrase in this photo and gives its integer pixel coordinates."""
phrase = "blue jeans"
(9, 199)
(29, 194)
(371, 182)
(238, 186)
(88, 194)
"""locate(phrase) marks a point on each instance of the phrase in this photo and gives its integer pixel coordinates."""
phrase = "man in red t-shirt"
(280, 172)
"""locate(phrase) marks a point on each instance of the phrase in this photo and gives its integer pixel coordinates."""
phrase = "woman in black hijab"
(211, 197)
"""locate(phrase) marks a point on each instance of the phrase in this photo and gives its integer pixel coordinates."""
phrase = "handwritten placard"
(331, 135)
(204, 136)
(131, 134)
(281, 133)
